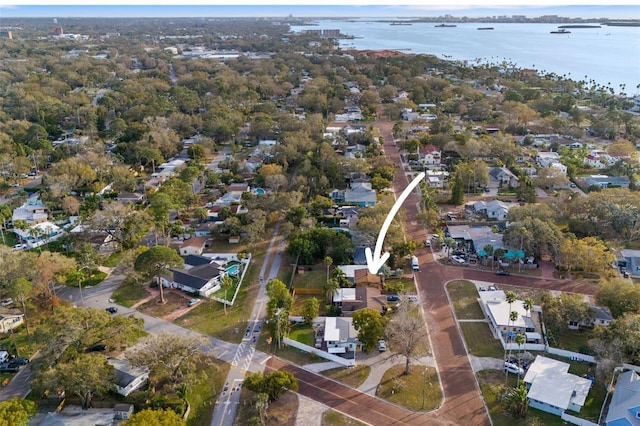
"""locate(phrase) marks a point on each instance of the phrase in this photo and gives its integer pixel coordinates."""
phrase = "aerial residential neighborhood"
(187, 208)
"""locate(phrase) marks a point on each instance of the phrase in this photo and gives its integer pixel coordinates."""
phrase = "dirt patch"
(156, 309)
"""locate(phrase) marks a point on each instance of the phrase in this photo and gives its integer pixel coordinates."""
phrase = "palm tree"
(328, 261)
(510, 297)
(523, 231)
(513, 317)
(488, 249)
(341, 277)
(226, 282)
(520, 340)
(330, 288)
(517, 401)
(527, 304)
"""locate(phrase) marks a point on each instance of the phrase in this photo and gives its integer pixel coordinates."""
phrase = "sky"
(629, 9)
(624, 9)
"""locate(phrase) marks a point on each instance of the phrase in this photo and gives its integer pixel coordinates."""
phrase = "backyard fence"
(574, 356)
(577, 421)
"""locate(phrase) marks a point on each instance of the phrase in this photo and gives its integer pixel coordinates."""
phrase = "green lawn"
(310, 279)
(572, 340)
(291, 354)
(416, 391)
(228, 293)
(464, 297)
(303, 334)
(114, 259)
(354, 376)
(492, 383)
(400, 284)
(18, 343)
(202, 395)
(209, 318)
(334, 418)
(480, 341)
(300, 300)
(129, 293)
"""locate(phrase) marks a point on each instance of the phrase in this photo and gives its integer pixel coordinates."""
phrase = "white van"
(415, 264)
(513, 368)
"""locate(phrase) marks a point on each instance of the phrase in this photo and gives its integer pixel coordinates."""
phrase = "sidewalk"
(379, 363)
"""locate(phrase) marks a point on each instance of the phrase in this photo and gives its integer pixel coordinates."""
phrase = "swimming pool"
(233, 269)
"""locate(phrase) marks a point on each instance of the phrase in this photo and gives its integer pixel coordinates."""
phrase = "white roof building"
(39, 234)
(32, 211)
(553, 389)
(498, 310)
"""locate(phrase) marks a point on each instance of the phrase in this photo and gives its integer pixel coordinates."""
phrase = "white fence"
(635, 368)
(574, 356)
(245, 265)
(524, 347)
(577, 421)
(322, 354)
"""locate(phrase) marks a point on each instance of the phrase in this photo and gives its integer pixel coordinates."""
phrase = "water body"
(608, 55)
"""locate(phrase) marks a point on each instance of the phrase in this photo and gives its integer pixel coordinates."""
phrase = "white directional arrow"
(375, 262)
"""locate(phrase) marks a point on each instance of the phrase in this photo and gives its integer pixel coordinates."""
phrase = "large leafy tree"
(558, 311)
(16, 412)
(370, 325)
(20, 290)
(542, 237)
(151, 417)
(170, 358)
(587, 254)
(156, 261)
(122, 222)
(620, 296)
(273, 384)
(279, 297)
(86, 376)
(80, 327)
(310, 310)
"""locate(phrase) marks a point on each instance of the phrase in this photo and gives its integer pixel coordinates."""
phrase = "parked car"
(512, 368)
(502, 272)
(427, 243)
(112, 309)
(20, 360)
(412, 298)
(9, 368)
(393, 298)
(193, 302)
(382, 345)
(7, 302)
(457, 259)
(98, 347)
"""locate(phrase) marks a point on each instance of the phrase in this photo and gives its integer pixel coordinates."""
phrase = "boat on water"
(485, 28)
(445, 26)
(561, 31)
